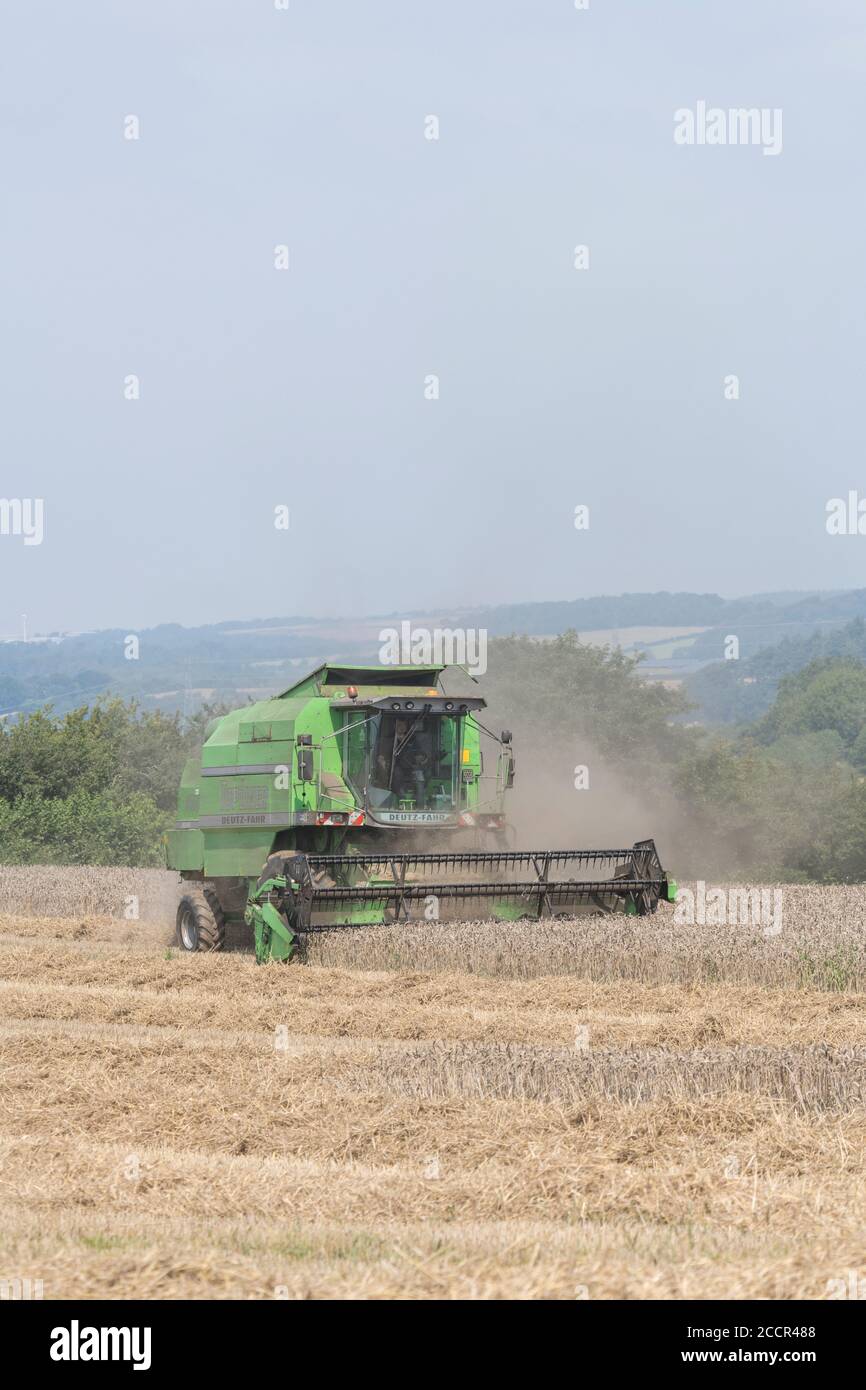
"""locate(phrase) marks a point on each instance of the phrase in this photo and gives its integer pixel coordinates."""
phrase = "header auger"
(300, 814)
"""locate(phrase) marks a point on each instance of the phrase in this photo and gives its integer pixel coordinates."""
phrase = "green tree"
(551, 693)
(83, 828)
(96, 785)
(822, 696)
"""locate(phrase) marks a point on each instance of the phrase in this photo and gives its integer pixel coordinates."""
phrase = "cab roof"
(327, 679)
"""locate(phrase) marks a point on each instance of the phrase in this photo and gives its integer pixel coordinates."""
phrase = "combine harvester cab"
(359, 796)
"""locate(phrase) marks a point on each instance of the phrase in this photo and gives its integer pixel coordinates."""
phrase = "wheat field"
(600, 1108)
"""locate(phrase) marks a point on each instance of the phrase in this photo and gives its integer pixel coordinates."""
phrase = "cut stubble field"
(599, 1108)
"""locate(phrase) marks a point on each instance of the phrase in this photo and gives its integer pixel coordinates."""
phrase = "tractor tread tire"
(209, 923)
(273, 866)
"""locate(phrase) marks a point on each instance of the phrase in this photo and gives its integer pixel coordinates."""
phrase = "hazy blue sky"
(408, 256)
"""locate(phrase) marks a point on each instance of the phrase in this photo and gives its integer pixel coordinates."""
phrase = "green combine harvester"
(307, 813)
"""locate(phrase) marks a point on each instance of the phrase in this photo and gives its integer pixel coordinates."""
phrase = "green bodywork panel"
(245, 787)
(274, 938)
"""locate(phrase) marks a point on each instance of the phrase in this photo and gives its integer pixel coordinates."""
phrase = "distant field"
(632, 636)
(604, 1108)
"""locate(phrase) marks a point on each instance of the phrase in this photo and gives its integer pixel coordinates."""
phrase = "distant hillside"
(636, 610)
(736, 692)
(765, 624)
(178, 668)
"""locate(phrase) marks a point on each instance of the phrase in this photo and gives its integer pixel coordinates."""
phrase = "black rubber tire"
(200, 923)
(274, 864)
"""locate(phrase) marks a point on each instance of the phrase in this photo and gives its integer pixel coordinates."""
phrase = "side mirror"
(505, 736)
